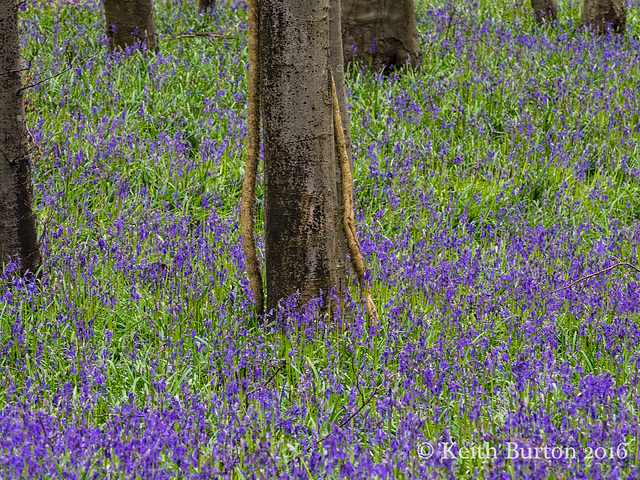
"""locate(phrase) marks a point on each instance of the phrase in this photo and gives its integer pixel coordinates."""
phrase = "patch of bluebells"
(137, 355)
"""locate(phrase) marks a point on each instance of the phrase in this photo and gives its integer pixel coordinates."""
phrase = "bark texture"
(130, 22)
(605, 15)
(18, 236)
(382, 33)
(337, 68)
(301, 201)
(204, 5)
(546, 11)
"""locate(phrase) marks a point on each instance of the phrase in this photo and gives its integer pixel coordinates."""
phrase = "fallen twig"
(202, 34)
(619, 264)
(343, 423)
(207, 34)
(269, 379)
(71, 65)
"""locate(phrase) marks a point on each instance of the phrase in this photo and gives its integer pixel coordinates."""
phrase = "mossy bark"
(381, 33)
(605, 15)
(131, 22)
(18, 235)
(301, 202)
(247, 207)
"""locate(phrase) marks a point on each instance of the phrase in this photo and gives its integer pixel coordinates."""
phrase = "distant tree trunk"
(204, 5)
(130, 22)
(382, 33)
(299, 152)
(546, 11)
(605, 15)
(18, 236)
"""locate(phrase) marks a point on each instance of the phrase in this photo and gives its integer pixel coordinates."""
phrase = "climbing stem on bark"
(247, 207)
(348, 216)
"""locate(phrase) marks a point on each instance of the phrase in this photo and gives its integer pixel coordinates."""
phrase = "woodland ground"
(487, 183)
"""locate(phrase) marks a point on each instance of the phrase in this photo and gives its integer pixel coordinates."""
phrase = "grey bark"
(337, 67)
(299, 152)
(545, 11)
(18, 235)
(130, 22)
(383, 33)
(605, 15)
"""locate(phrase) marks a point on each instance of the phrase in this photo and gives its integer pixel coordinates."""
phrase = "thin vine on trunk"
(247, 208)
(357, 260)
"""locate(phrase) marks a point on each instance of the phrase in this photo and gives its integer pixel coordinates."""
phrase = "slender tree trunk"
(130, 22)
(605, 15)
(204, 5)
(18, 236)
(546, 11)
(382, 33)
(299, 152)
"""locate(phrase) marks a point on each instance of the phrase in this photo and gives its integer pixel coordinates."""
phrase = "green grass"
(192, 330)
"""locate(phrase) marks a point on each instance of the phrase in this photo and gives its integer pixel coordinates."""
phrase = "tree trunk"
(605, 15)
(130, 22)
(337, 66)
(336, 57)
(299, 152)
(18, 236)
(204, 5)
(382, 33)
(546, 11)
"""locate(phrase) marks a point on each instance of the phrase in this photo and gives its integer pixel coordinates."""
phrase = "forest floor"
(498, 207)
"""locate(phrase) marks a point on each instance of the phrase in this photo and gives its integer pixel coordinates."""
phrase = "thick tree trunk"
(204, 5)
(337, 67)
(18, 236)
(299, 152)
(605, 15)
(382, 33)
(130, 22)
(546, 11)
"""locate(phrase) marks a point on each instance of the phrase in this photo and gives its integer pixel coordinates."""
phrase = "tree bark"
(204, 5)
(382, 33)
(605, 15)
(337, 66)
(336, 58)
(131, 22)
(545, 11)
(299, 151)
(18, 235)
